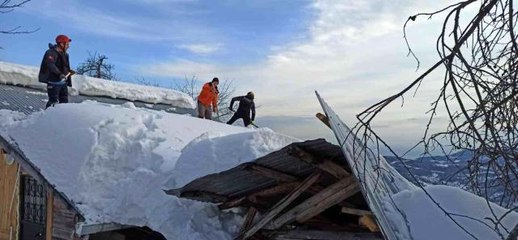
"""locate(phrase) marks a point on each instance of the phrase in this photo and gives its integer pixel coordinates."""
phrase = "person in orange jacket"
(208, 99)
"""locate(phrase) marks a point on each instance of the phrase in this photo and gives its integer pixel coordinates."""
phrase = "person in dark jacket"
(246, 104)
(55, 71)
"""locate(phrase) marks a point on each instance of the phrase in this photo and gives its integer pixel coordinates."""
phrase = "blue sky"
(352, 52)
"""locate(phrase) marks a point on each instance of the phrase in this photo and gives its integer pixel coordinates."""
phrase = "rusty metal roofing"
(28, 100)
(238, 181)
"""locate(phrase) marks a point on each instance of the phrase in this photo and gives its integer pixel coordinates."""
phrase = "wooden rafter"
(318, 203)
(250, 215)
(232, 203)
(271, 173)
(281, 205)
(324, 164)
(354, 211)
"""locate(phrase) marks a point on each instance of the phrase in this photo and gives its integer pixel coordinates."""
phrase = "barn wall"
(9, 206)
(64, 220)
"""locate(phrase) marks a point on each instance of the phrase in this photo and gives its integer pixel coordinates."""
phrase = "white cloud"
(202, 49)
(355, 49)
(116, 22)
(355, 57)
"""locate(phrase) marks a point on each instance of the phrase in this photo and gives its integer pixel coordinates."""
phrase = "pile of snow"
(28, 76)
(115, 161)
(427, 221)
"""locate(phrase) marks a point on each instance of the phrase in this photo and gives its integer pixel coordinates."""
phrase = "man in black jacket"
(55, 71)
(246, 104)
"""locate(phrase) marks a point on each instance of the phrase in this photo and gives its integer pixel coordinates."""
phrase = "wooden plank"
(318, 203)
(324, 119)
(369, 222)
(276, 190)
(232, 203)
(268, 192)
(324, 164)
(250, 215)
(282, 204)
(50, 211)
(271, 173)
(320, 235)
(64, 219)
(354, 211)
(9, 198)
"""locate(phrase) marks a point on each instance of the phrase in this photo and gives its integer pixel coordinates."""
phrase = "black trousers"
(238, 115)
(57, 93)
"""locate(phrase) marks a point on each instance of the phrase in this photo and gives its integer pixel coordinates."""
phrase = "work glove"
(62, 78)
(72, 72)
(215, 109)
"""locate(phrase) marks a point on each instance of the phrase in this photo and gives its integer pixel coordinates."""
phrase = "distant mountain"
(446, 170)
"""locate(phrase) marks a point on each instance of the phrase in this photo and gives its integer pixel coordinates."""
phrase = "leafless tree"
(96, 66)
(7, 6)
(479, 62)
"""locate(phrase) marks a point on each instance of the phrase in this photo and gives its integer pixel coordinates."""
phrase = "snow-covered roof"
(114, 161)
(22, 75)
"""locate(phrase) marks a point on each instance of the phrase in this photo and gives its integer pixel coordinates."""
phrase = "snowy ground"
(115, 161)
(16, 74)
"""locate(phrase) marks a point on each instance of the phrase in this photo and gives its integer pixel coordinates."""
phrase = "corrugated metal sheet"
(379, 182)
(237, 182)
(27, 100)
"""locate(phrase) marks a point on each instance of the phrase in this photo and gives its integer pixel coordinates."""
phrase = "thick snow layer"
(114, 162)
(28, 76)
(427, 221)
(8, 118)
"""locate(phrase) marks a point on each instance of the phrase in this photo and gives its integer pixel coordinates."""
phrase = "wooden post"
(281, 205)
(50, 213)
(9, 198)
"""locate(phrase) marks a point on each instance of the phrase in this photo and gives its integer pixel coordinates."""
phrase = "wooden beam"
(318, 203)
(271, 173)
(325, 164)
(276, 190)
(50, 213)
(250, 215)
(232, 203)
(282, 204)
(204, 196)
(323, 119)
(354, 211)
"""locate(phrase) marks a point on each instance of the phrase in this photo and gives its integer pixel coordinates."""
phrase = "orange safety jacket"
(209, 95)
